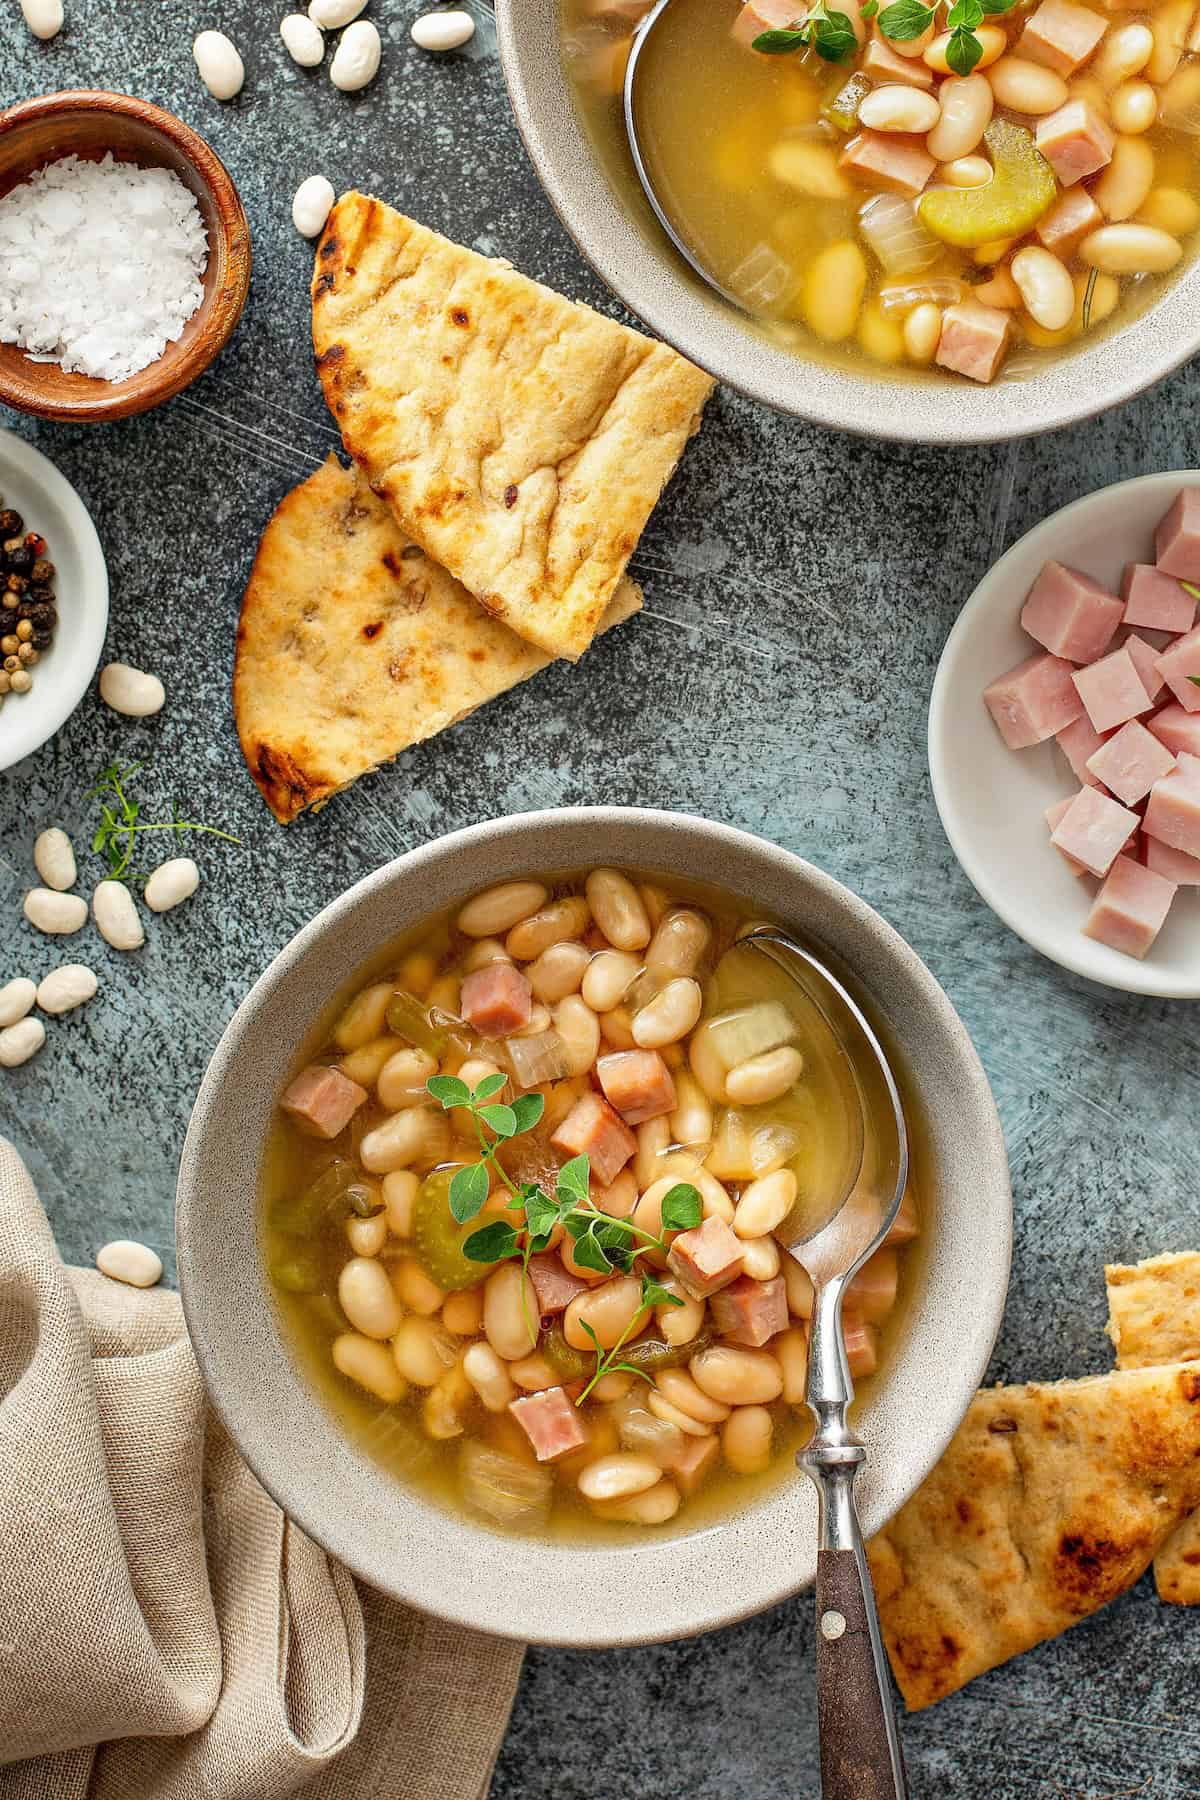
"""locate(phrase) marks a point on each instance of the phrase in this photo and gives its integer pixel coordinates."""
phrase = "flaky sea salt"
(101, 265)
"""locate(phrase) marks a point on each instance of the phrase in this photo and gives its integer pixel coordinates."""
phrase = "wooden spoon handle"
(860, 1750)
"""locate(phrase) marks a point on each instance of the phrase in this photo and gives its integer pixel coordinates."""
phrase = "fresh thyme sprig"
(115, 837)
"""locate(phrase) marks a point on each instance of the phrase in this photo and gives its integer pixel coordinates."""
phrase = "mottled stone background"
(799, 587)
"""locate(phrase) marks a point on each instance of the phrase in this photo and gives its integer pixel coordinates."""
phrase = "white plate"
(992, 799)
(48, 503)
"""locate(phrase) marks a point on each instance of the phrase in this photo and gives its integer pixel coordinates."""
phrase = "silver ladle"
(861, 1758)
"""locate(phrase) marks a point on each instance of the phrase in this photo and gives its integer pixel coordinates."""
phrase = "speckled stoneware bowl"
(625, 245)
(662, 1584)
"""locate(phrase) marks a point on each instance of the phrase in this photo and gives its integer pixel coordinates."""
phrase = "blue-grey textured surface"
(799, 586)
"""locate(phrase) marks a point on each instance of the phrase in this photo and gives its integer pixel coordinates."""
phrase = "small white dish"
(992, 799)
(48, 503)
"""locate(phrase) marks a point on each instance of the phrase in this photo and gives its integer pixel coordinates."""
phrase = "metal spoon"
(861, 1758)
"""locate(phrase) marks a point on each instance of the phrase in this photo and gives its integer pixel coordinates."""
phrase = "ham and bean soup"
(525, 1202)
(974, 185)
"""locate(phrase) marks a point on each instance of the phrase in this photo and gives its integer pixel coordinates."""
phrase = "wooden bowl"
(88, 123)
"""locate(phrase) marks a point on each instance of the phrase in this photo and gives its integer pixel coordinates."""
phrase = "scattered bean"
(331, 15)
(16, 999)
(57, 914)
(65, 988)
(43, 17)
(443, 31)
(171, 883)
(133, 1263)
(222, 71)
(54, 859)
(302, 40)
(356, 60)
(311, 205)
(116, 916)
(21, 1041)
(128, 690)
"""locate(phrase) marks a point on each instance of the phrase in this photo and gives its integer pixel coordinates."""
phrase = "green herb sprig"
(831, 35)
(599, 1242)
(115, 838)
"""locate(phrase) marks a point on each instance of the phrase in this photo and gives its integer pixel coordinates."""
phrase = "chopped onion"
(501, 1488)
(639, 1430)
(772, 1144)
(943, 291)
(750, 1031)
(537, 1059)
(897, 236)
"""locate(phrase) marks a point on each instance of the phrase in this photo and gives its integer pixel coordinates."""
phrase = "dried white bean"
(133, 1263)
(1128, 249)
(171, 883)
(311, 205)
(615, 1477)
(765, 1077)
(16, 999)
(443, 31)
(222, 71)
(65, 988)
(331, 15)
(607, 977)
(498, 909)
(764, 1204)
(1046, 287)
(370, 1364)
(54, 859)
(618, 909)
(670, 1015)
(894, 107)
(302, 40)
(966, 103)
(43, 17)
(116, 916)
(58, 914)
(128, 690)
(368, 1299)
(356, 60)
(21, 1041)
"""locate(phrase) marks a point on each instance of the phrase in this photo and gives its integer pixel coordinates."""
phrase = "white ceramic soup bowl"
(993, 800)
(659, 1584)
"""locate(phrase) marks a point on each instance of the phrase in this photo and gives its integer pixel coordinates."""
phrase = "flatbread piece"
(352, 645)
(1050, 1501)
(520, 438)
(1154, 1317)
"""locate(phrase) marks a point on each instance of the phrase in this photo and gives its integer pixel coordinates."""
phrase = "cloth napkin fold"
(166, 1633)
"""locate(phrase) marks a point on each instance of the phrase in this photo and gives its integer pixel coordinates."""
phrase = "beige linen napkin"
(165, 1632)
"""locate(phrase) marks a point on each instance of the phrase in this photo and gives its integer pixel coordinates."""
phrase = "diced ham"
(1130, 908)
(974, 339)
(906, 1224)
(630, 10)
(888, 160)
(322, 1100)
(1053, 816)
(1069, 221)
(1093, 830)
(496, 1000)
(1130, 763)
(1061, 36)
(749, 1311)
(1178, 664)
(1145, 660)
(1034, 701)
(706, 1258)
(1078, 741)
(1070, 614)
(1173, 812)
(1112, 690)
(1076, 141)
(554, 1286)
(594, 1130)
(872, 1292)
(694, 1459)
(550, 1422)
(1156, 600)
(757, 16)
(1177, 728)
(883, 65)
(862, 1346)
(1174, 865)
(1177, 540)
(638, 1083)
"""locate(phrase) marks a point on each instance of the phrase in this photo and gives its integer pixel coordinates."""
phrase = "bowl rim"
(1078, 959)
(221, 307)
(647, 276)
(523, 844)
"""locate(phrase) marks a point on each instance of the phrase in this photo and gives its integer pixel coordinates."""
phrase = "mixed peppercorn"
(28, 614)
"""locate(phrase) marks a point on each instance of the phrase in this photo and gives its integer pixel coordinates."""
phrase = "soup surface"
(880, 208)
(526, 1196)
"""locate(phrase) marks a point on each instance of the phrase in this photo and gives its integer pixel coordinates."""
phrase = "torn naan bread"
(1153, 1318)
(353, 645)
(1051, 1501)
(522, 439)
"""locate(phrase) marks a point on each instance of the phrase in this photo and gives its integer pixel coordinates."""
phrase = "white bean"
(654, 1506)
(707, 1066)
(1128, 249)
(127, 690)
(416, 1291)
(737, 1377)
(692, 1120)
(21, 1041)
(607, 977)
(799, 1288)
(511, 1313)
(558, 971)
(1124, 53)
(746, 1440)
(761, 1259)
(922, 330)
(579, 1029)
(966, 109)
(423, 1351)
(498, 909)
(489, 1376)
(370, 1364)
(331, 15)
(171, 883)
(400, 1189)
(65, 988)
(418, 1135)
(356, 60)
(366, 1237)
(1169, 28)
(677, 1386)
(1026, 86)
(679, 1324)
(1046, 287)
(1134, 107)
(618, 909)
(484, 952)
(16, 999)
(311, 205)
(610, 1310)
(679, 943)
(894, 107)
(617, 1476)
(1126, 182)
(664, 1409)
(222, 71)
(43, 17)
(966, 172)
(764, 1204)
(365, 1018)
(116, 916)
(133, 1263)
(670, 1015)
(302, 40)
(57, 914)
(368, 1299)
(54, 859)
(765, 1077)
(401, 1081)
(443, 31)
(553, 924)
(791, 1347)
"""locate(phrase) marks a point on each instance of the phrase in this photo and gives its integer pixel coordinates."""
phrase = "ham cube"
(638, 1083)
(1156, 600)
(1075, 141)
(706, 1258)
(1176, 728)
(1129, 911)
(1069, 221)
(1112, 690)
(1061, 36)
(749, 1311)
(322, 1101)
(1177, 540)
(1070, 614)
(1034, 701)
(1130, 763)
(550, 1422)
(1173, 812)
(1093, 830)
(872, 1292)
(862, 1346)
(974, 339)
(882, 159)
(695, 1458)
(594, 1130)
(758, 16)
(1174, 865)
(1078, 741)
(496, 1000)
(1145, 660)
(554, 1285)
(885, 65)
(1053, 816)
(906, 1225)
(1178, 665)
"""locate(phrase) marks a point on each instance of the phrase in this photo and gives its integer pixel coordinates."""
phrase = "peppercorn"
(20, 560)
(44, 616)
(11, 663)
(25, 631)
(42, 570)
(17, 584)
(35, 542)
(27, 654)
(8, 621)
(5, 681)
(11, 523)
(42, 640)
(22, 681)
(24, 607)
(8, 644)
(40, 590)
